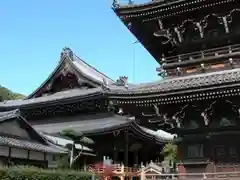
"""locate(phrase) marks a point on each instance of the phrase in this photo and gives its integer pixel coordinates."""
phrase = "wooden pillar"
(115, 147)
(115, 152)
(136, 157)
(84, 163)
(126, 149)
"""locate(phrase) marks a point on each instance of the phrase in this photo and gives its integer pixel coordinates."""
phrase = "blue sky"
(33, 34)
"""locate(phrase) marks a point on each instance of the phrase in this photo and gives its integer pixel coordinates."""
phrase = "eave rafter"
(163, 10)
(172, 98)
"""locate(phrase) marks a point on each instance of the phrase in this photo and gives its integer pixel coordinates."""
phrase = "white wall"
(19, 153)
(4, 151)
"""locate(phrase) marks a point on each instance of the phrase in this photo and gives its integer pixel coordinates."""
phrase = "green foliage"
(32, 173)
(6, 94)
(169, 152)
(63, 163)
(76, 136)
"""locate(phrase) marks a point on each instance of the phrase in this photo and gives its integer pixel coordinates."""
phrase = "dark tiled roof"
(63, 95)
(161, 135)
(89, 71)
(101, 123)
(188, 82)
(29, 145)
(9, 115)
(39, 144)
(179, 84)
(149, 4)
(90, 124)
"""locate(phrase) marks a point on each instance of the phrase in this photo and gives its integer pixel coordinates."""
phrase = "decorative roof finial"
(68, 52)
(105, 85)
(115, 4)
(122, 81)
(130, 2)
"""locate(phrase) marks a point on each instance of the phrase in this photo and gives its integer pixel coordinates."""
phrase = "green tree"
(169, 152)
(6, 94)
(77, 137)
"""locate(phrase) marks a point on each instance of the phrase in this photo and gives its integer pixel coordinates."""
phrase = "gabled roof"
(19, 140)
(153, 168)
(73, 63)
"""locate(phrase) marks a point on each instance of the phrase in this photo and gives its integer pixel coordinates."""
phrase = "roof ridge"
(92, 67)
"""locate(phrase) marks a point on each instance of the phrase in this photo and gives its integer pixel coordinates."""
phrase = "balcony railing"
(203, 54)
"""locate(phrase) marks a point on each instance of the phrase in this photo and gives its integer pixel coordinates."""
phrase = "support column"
(126, 149)
(115, 152)
(115, 147)
(136, 158)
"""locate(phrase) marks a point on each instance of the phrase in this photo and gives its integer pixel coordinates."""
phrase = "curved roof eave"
(60, 97)
(140, 8)
(178, 85)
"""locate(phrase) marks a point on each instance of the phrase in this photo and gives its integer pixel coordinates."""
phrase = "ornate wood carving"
(158, 118)
(105, 85)
(213, 25)
(224, 111)
(190, 30)
(189, 117)
(116, 133)
(166, 35)
(232, 19)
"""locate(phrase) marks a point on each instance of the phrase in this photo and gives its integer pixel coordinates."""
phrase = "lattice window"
(233, 152)
(195, 151)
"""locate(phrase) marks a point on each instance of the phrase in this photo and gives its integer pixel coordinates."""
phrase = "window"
(195, 151)
(232, 152)
(220, 152)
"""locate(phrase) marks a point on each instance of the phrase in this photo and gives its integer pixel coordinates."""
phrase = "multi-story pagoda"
(196, 43)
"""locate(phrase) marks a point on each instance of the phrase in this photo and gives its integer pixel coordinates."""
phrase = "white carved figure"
(205, 118)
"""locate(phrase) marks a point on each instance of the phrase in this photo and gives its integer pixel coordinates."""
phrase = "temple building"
(75, 96)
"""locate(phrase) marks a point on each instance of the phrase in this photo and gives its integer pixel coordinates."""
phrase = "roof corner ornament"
(120, 111)
(111, 106)
(105, 85)
(68, 52)
(115, 4)
(162, 72)
(122, 81)
(130, 2)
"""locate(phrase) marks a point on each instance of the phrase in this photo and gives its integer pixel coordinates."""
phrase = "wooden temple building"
(75, 96)
(196, 43)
